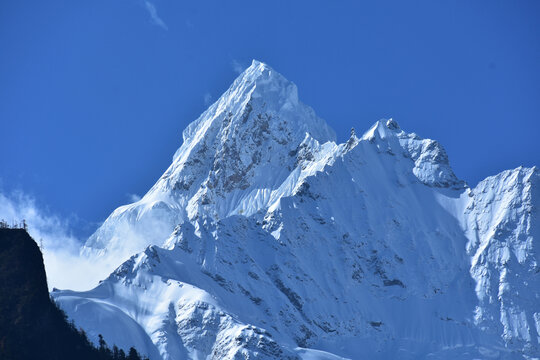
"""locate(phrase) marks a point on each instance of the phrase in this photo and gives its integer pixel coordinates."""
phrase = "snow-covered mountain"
(265, 239)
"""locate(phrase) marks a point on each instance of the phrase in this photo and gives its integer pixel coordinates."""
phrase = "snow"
(267, 239)
(311, 354)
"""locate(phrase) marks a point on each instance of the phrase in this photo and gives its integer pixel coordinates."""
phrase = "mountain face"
(231, 161)
(266, 239)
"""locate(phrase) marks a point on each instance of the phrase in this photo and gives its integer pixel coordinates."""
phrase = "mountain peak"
(256, 64)
(261, 86)
(260, 105)
(392, 124)
(232, 157)
(431, 164)
(381, 129)
(259, 69)
(260, 80)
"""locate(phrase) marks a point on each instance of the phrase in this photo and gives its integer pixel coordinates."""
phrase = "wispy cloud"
(133, 197)
(237, 66)
(154, 15)
(207, 99)
(65, 267)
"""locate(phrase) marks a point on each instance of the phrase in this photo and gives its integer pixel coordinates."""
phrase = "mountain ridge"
(263, 240)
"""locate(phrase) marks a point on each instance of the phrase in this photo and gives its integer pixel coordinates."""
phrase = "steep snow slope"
(231, 160)
(502, 225)
(285, 242)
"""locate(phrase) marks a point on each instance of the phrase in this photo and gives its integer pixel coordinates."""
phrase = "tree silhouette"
(133, 354)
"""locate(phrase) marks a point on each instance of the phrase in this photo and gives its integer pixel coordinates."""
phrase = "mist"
(66, 267)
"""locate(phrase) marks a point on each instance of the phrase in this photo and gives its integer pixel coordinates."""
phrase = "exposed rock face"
(268, 240)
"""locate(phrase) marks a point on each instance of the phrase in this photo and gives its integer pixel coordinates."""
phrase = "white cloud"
(66, 268)
(154, 15)
(133, 197)
(237, 67)
(207, 99)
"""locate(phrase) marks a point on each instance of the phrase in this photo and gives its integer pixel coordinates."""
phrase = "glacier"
(267, 239)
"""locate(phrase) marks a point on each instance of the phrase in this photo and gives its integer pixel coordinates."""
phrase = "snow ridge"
(266, 239)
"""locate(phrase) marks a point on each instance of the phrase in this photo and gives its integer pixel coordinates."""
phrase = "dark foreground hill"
(31, 325)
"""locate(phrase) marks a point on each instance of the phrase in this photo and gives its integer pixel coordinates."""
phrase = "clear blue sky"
(94, 94)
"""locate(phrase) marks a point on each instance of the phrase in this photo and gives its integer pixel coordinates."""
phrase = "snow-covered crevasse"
(285, 242)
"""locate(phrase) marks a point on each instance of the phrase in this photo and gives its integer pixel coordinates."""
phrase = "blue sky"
(94, 94)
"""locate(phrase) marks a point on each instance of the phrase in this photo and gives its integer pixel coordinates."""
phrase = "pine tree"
(133, 354)
(115, 352)
(102, 343)
(118, 354)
